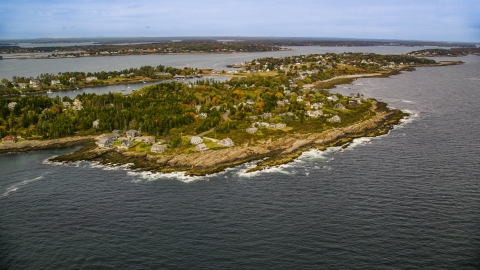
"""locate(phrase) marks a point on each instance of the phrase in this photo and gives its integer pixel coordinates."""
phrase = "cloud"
(407, 19)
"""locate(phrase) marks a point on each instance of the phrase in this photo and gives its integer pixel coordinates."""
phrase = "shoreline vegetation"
(270, 112)
(97, 50)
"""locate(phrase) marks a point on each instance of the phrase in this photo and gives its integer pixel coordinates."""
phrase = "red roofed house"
(9, 139)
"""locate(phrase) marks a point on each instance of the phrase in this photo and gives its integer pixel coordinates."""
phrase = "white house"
(250, 102)
(280, 125)
(96, 123)
(53, 82)
(316, 106)
(66, 104)
(266, 115)
(72, 80)
(22, 85)
(227, 142)
(202, 115)
(89, 79)
(158, 148)
(314, 114)
(148, 140)
(252, 130)
(335, 119)
(332, 98)
(12, 105)
(195, 140)
(77, 105)
(339, 106)
(34, 83)
(201, 147)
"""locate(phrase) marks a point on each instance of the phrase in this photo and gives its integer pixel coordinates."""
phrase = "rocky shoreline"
(34, 145)
(270, 153)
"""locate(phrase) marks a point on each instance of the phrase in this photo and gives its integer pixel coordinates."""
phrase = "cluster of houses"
(77, 105)
(200, 146)
(127, 141)
(269, 125)
(131, 135)
(255, 126)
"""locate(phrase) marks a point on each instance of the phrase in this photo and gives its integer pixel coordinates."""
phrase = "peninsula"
(272, 109)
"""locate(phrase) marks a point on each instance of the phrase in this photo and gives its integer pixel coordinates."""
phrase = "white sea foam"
(413, 116)
(54, 163)
(315, 154)
(407, 101)
(358, 142)
(16, 186)
(140, 176)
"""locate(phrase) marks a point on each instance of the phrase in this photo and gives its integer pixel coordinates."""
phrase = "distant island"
(272, 109)
(136, 49)
(145, 46)
(453, 52)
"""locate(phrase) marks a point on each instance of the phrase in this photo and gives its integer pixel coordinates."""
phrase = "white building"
(89, 79)
(201, 147)
(77, 105)
(335, 119)
(332, 98)
(316, 106)
(158, 148)
(252, 130)
(227, 142)
(12, 105)
(314, 114)
(195, 140)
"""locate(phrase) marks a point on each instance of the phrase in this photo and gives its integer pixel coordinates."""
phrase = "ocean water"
(406, 200)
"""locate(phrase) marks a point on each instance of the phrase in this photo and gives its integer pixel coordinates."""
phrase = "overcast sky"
(435, 20)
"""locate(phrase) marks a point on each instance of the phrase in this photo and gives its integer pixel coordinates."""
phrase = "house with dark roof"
(126, 144)
(131, 133)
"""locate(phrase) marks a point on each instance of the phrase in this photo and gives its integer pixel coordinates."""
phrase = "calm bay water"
(406, 200)
(35, 67)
